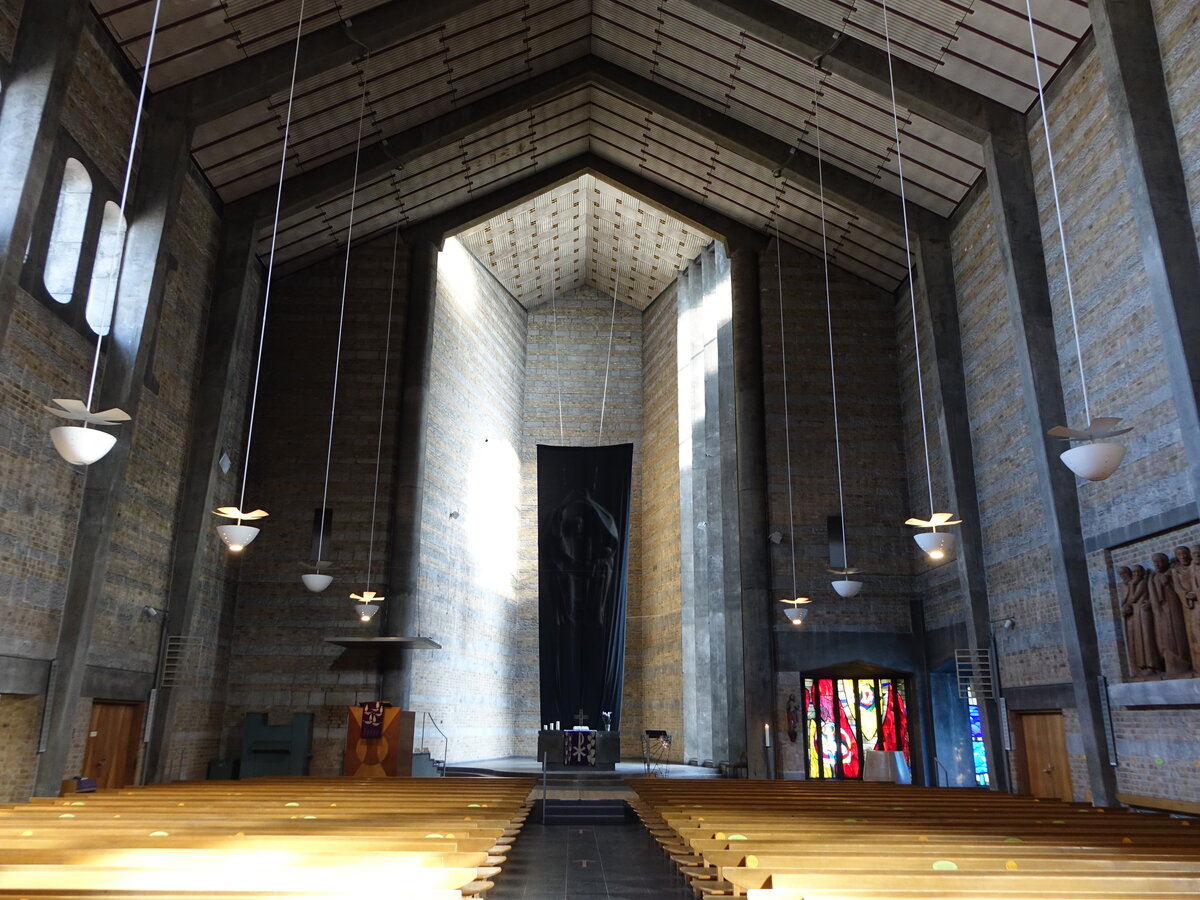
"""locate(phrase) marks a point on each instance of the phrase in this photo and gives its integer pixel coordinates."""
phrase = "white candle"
(766, 734)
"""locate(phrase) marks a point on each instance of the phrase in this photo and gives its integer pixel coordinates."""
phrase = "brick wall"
(1178, 24)
(481, 687)
(873, 458)
(1018, 573)
(661, 686)
(279, 662)
(581, 322)
(1126, 372)
(43, 357)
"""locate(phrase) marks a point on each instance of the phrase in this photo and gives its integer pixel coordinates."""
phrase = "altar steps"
(582, 812)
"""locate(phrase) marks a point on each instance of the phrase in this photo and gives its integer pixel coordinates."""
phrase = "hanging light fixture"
(366, 607)
(1099, 457)
(939, 546)
(317, 581)
(238, 536)
(795, 614)
(845, 586)
(797, 611)
(78, 444)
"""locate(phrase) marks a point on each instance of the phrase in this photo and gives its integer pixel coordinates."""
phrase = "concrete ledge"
(21, 675)
(1143, 528)
(1171, 692)
(116, 684)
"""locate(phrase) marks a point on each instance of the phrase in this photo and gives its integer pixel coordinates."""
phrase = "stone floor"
(581, 862)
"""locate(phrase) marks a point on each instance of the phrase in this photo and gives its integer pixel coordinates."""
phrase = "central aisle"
(585, 862)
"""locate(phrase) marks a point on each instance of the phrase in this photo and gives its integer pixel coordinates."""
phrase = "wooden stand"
(385, 756)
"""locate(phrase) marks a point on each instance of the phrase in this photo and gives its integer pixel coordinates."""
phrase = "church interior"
(876, 322)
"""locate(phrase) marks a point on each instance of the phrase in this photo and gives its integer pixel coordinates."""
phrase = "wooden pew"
(265, 838)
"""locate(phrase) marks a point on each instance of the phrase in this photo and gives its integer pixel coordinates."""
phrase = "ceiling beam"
(481, 208)
(256, 78)
(868, 201)
(335, 177)
(938, 99)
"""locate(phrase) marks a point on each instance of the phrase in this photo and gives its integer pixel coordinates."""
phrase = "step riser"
(582, 812)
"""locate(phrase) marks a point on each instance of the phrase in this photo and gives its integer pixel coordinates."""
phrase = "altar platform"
(579, 783)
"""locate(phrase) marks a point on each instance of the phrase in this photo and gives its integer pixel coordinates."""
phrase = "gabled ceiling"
(586, 232)
(708, 99)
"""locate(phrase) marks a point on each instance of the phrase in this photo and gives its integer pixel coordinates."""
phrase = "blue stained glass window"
(977, 749)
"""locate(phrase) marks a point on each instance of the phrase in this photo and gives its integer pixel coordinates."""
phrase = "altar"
(566, 751)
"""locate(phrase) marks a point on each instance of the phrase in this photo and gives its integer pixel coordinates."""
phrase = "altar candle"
(766, 734)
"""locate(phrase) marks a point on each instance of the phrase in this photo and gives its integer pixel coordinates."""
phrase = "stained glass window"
(844, 716)
(982, 777)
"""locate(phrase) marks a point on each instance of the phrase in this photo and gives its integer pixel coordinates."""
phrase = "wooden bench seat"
(996, 884)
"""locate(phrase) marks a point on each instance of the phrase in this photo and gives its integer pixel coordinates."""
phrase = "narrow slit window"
(106, 271)
(66, 237)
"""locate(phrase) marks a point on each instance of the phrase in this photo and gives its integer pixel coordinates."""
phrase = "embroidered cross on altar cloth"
(579, 748)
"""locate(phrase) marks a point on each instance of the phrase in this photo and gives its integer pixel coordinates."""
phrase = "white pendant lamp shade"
(237, 537)
(1094, 462)
(796, 615)
(365, 607)
(938, 545)
(847, 588)
(81, 446)
(316, 581)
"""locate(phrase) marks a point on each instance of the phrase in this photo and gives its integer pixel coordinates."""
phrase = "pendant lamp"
(79, 444)
(1098, 457)
(366, 607)
(238, 536)
(845, 586)
(797, 611)
(317, 581)
(795, 614)
(938, 546)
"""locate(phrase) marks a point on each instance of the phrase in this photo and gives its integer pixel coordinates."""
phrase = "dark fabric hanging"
(583, 564)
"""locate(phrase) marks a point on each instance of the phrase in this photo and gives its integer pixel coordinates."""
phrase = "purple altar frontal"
(566, 751)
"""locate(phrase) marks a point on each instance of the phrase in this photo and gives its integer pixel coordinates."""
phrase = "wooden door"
(1045, 769)
(114, 736)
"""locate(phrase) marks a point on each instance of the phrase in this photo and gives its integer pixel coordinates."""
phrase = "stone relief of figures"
(1161, 614)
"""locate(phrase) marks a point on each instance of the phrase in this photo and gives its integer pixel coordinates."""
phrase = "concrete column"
(404, 570)
(42, 59)
(218, 416)
(709, 453)
(164, 166)
(728, 599)
(1019, 238)
(758, 635)
(935, 275)
(1127, 44)
(693, 516)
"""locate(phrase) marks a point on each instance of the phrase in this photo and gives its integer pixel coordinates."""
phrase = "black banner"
(583, 565)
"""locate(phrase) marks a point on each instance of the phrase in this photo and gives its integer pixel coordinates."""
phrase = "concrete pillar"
(728, 597)
(164, 166)
(1019, 238)
(694, 575)
(217, 420)
(1127, 44)
(404, 570)
(935, 281)
(716, 514)
(757, 606)
(43, 56)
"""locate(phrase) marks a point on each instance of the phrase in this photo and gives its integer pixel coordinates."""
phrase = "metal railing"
(942, 766)
(445, 741)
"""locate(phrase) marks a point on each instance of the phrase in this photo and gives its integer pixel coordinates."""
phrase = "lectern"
(379, 741)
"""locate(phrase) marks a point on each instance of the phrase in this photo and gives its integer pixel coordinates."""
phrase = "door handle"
(1048, 770)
